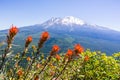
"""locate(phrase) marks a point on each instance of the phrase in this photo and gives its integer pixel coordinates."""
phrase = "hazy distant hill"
(68, 31)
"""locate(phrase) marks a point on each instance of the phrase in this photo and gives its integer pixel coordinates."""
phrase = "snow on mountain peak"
(69, 20)
(72, 20)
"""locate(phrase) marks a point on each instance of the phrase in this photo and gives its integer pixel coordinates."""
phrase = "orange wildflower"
(69, 53)
(13, 31)
(45, 36)
(78, 48)
(28, 41)
(86, 58)
(36, 77)
(20, 72)
(57, 57)
(55, 48)
(28, 59)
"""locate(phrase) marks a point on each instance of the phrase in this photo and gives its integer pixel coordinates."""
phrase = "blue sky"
(29, 12)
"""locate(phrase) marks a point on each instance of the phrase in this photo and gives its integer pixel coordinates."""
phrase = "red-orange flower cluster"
(20, 72)
(86, 58)
(45, 35)
(28, 59)
(57, 57)
(13, 31)
(28, 41)
(55, 48)
(69, 53)
(78, 48)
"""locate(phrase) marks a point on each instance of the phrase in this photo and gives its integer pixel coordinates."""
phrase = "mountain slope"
(68, 31)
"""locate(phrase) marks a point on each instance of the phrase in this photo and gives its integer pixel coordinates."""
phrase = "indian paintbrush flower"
(44, 36)
(12, 32)
(78, 49)
(28, 58)
(69, 54)
(19, 72)
(28, 41)
(86, 58)
(57, 57)
(55, 49)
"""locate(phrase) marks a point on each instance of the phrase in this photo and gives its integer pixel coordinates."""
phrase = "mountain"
(68, 31)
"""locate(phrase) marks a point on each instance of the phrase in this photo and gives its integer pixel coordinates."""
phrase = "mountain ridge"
(93, 37)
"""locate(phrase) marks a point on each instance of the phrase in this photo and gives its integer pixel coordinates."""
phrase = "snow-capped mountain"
(70, 30)
(69, 20)
(70, 23)
(75, 25)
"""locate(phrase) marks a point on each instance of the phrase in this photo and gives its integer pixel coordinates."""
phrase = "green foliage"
(99, 66)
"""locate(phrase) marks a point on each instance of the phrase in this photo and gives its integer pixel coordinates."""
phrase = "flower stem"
(49, 58)
(4, 57)
(33, 60)
(61, 71)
